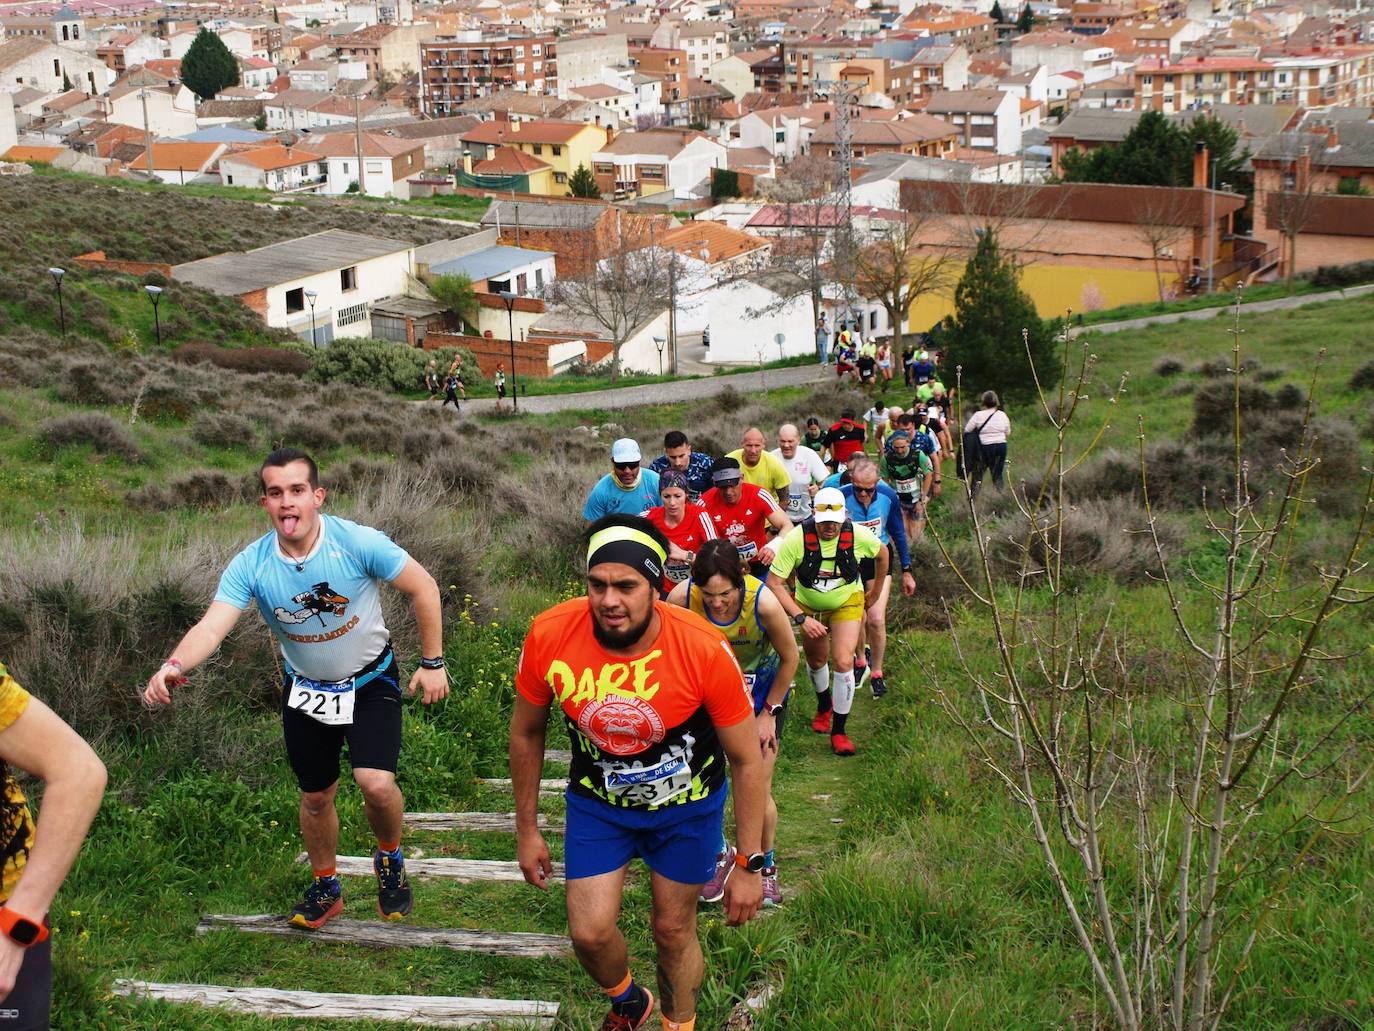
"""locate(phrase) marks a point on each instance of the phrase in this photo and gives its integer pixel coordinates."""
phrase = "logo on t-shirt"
(621, 725)
(314, 604)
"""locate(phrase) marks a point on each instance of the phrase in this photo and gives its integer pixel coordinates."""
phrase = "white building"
(274, 167)
(647, 163)
(345, 272)
(497, 268)
(986, 119)
(170, 110)
(256, 73)
(744, 317)
(785, 132)
(388, 163)
(44, 65)
(9, 133)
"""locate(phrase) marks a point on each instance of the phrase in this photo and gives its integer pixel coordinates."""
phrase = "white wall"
(693, 164)
(377, 278)
(639, 352)
(44, 69)
(168, 114)
(738, 335)
(8, 132)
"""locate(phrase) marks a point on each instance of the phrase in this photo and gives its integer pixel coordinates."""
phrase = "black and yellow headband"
(631, 547)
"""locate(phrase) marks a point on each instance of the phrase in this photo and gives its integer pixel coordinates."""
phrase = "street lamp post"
(155, 295)
(310, 296)
(509, 299)
(660, 342)
(57, 274)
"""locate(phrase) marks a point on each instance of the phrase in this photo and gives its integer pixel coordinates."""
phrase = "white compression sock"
(820, 678)
(843, 692)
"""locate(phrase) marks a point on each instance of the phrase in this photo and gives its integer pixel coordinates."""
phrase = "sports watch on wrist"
(435, 663)
(754, 864)
(773, 710)
(799, 618)
(20, 929)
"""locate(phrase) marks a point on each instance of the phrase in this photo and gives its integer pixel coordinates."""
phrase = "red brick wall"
(255, 300)
(531, 356)
(97, 260)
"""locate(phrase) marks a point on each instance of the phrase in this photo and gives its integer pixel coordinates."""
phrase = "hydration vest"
(846, 563)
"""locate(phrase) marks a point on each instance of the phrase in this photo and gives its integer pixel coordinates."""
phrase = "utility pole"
(841, 95)
(358, 135)
(672, 306)
(147, 133)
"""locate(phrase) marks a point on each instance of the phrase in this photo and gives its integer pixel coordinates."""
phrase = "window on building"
(520, 284)
(497, 286)
(1147, 80)
(560, 177)
(348, 278)
(873, 319)
(557, 150)
(519, 51)
(229, 180)
(56, 67)
(539, 279)
(538, 149)
(345, 168)
(295, 300)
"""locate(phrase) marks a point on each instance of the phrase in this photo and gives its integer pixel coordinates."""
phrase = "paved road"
(1278, 304)
(709, 386)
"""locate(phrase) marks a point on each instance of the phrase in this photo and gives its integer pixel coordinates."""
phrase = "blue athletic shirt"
(883, 516)
(609, 496)
(327, 615)
(698, 472)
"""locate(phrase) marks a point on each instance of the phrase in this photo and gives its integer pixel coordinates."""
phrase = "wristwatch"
(435, 663)
(23, 931)
(754, 864)
(773, 710)
(799, 618)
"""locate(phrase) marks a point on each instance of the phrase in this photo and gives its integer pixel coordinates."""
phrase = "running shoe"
(868, 655)
(714, 889)
(861, 676)
(841, 745)
(772, 894)
(393, 887)
(821, 724)
(879, 685)
(631, 1014)
(323, 902)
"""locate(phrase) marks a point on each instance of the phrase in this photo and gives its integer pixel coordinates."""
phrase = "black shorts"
(868, 567)
(374, 736)
(28, 1006)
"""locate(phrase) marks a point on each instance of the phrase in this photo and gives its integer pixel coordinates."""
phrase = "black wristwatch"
(773, 710)
(754, 864)
(435, 663)
(799, 618)
(906, 568)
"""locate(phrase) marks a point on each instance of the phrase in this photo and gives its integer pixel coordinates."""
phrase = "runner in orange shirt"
(656, 706)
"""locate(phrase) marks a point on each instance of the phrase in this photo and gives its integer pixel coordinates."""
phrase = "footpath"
(694, 389)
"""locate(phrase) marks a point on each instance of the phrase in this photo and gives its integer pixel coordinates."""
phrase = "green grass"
(1221, 299)
(915, 896)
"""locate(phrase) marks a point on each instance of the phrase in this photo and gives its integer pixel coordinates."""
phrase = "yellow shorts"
(851, 611)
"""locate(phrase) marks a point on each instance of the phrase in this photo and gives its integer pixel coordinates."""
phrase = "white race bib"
(651, 785)
(324, 701)
(905, 486)
(747, 550)
(677, 572)
(799, 504)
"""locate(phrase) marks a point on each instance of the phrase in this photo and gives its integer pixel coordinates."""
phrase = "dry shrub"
(459, 473)
(419, 446)
(1214, 408)
(224, 429)
(729, 400)
(1104, 537)
(1181, 388)
(161, 398)
(1363, 379)
(312, 430)
(88, 381)
(94, 428)
(355, 476)
(1168, 365)
(1291, 396)
(200, 488)
(381, 431)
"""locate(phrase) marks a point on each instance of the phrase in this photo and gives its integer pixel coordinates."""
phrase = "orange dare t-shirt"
(643, 730)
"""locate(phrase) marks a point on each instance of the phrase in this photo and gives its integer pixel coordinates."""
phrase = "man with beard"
(315, 579)
(628, 488)
(655, 704)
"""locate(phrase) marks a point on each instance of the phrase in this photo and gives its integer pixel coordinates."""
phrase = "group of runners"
(709, 580)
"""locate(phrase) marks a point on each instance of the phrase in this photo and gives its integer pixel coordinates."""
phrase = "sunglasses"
(830, 508)
(865, 490)
(626, 465)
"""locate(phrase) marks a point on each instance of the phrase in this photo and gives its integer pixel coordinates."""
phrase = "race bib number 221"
(324, 701)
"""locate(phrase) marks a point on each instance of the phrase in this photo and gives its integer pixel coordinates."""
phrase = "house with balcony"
(275, 167)
(1205, 80)
(387, 163)
(641, 164)
(320, 286)
(455, 71)
(988, 120)
(561, 145)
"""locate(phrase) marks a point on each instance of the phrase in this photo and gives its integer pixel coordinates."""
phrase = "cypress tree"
(208, 66)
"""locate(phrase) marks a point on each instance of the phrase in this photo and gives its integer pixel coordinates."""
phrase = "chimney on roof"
(1333, 139)
(1200, 162)
(515, 125)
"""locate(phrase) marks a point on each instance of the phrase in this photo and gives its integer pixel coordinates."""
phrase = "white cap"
(625, 450)
(831, 498)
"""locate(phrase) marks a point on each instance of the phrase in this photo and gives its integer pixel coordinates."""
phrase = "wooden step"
(394, 935)
(472, 822)
(548, 786)
(557, 755)
(466, 870)
(425, 1011)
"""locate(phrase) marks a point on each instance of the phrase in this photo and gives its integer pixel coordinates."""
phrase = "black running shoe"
(323, 902)
(631, 1014)
(393, 887)
(879, 685)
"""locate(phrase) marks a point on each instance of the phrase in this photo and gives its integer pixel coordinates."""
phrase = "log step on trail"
(557, 755)
(472, 822)
(427, 1011)
(404, 936)
(548, 786)
(466, 870)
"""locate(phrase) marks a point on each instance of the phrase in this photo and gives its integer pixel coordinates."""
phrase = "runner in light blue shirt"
(628, 489)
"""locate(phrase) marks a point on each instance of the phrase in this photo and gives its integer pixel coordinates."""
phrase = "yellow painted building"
(559, 144)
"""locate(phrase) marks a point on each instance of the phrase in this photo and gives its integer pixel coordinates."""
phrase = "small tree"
(260, 122)
(582, 183)
(1026, 22)
(208, 66)
(996, 13)
(984, 335)
(455, 293)
(895, 271)
(724, 183)
(1163, 225)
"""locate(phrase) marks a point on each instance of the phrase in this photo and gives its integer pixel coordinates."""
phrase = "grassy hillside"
(915, 895)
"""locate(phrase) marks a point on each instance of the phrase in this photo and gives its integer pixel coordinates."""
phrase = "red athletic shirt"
(846, 439)
(689, 535)
(746, 524)
(643, 730)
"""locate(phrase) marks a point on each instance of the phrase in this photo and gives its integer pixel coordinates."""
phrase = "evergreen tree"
(984, 333)
(996, 13)
(582, 183)
(208, 66)
(1026, 22)
(1157, 152)
(454, 292)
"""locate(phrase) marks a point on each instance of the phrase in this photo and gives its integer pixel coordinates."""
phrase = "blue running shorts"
(679, 842)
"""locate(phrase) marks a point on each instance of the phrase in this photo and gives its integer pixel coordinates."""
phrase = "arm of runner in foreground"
(39, 743)
(415, 581)
(528, 725)
(744, 891)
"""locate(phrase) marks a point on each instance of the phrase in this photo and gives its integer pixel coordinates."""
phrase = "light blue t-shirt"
(327, 615)
(609, 496)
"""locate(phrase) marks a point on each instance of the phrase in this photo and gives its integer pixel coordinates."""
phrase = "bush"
(1214, 407)
(89, 382)
(94, 428)
(1363, 379)
(313, 431)
(1168, 365)
(1334, 276)
(379, 364)
(160, 398)
(223, 429)
(1291, 397)
(202, 488)
(244, 359)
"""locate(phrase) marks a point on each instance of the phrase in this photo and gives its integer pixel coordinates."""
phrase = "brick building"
(453, 72)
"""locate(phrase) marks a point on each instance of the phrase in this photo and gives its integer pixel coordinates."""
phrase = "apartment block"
(452, 72)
